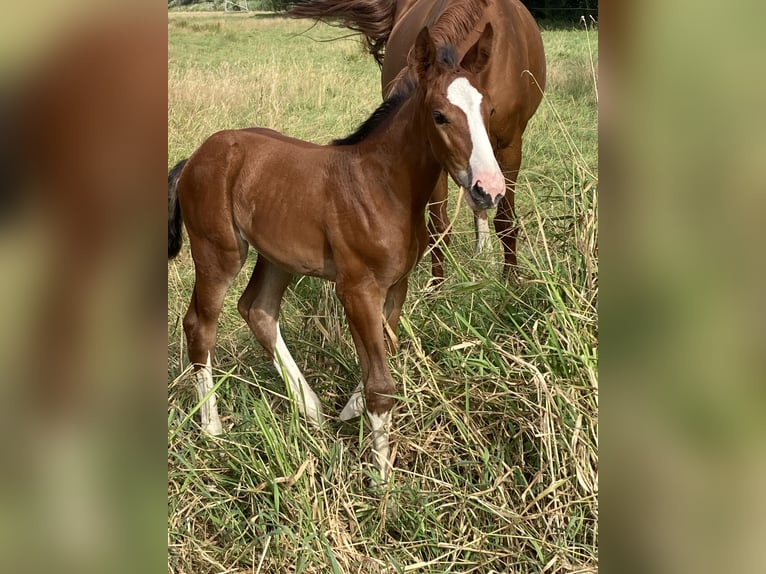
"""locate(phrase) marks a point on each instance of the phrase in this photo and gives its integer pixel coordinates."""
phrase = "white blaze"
(483, 164)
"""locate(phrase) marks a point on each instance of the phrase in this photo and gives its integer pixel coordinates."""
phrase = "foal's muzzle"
(481, 199)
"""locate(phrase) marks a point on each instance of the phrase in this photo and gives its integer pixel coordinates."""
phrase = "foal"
(352, 212)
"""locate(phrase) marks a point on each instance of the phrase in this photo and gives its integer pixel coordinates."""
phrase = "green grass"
(496, 430)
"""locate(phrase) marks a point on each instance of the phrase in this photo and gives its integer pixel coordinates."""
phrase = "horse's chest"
(400, 248)
(413, 245)
(389, 251)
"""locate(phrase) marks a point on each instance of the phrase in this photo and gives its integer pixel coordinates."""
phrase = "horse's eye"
(492, 112)
(440, 118)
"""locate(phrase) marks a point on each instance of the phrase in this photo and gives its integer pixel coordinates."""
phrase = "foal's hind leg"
(259, 306)
(509, 159)
(215, 270)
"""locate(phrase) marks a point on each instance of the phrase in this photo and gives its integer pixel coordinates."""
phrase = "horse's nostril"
(481, 198)
(478, 191)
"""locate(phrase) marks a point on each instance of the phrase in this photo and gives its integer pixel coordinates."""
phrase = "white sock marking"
(211, 422)
(355, 405)
(483, 163)
(308, 402)
(380, 425)
(482, 233)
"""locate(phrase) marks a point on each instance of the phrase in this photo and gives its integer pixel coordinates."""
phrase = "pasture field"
(496, 430)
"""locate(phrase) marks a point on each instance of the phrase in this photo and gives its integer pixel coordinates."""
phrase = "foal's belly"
(293, 245)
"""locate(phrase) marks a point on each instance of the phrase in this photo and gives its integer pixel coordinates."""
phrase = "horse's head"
(459, 111)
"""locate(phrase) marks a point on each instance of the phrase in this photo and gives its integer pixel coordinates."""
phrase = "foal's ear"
(423, 54)
(477, 56)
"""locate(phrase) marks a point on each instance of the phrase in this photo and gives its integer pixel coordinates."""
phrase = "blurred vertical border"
(682, 309)
(83, 160)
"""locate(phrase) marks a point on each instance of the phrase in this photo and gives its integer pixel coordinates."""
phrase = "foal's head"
(459, 115)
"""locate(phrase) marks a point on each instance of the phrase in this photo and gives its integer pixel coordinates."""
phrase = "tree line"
(542, 10)
(562, 10)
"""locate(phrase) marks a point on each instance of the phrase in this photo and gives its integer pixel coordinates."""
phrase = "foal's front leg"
(363, 302)
(391, 313)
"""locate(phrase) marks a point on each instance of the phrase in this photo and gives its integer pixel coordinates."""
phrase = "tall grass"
(496, 428)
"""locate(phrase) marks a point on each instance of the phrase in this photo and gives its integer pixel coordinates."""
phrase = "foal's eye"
(440, 118)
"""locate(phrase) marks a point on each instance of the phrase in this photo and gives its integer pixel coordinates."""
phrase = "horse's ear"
(475, 60)
(423, 54)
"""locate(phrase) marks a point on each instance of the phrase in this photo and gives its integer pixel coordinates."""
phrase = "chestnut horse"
(352, 212)
(514, 80)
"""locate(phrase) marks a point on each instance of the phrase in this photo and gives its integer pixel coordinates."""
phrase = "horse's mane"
(393, 102)
(457, 21)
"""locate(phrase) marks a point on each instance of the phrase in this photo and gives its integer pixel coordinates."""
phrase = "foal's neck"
(405, 158)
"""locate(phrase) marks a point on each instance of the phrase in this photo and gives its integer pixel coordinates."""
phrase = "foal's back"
(265, 188)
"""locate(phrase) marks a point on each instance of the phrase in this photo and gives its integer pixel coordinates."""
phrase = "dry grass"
(496, 431)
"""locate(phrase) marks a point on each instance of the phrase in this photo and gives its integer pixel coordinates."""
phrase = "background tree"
(545, 11)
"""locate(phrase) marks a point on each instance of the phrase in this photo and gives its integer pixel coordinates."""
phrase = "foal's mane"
(457, 21)
(381, 115)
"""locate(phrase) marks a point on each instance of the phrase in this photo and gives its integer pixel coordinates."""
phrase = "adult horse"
(351, 212)
(514, 80)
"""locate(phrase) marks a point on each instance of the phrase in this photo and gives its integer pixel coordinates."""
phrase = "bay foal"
(352, 212)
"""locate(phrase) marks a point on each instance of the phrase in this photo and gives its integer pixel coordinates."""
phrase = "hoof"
(434, 284)
(213, 428)
(310, 407)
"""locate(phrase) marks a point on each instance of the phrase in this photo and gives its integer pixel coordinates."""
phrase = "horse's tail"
(174, 210)
(373, 18)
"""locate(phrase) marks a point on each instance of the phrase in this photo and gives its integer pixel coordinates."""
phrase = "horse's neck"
(405, 156)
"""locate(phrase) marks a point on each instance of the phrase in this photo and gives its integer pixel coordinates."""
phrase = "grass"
(496, 429)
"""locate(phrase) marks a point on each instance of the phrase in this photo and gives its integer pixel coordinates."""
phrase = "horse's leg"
(509, 159)
(437, 227)
(481, 226)
(363, 302)
(391, 312)
(215, 269)
(259, 306)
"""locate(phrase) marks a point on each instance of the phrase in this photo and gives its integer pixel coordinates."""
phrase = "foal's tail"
(174, 210)
(373, 18)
